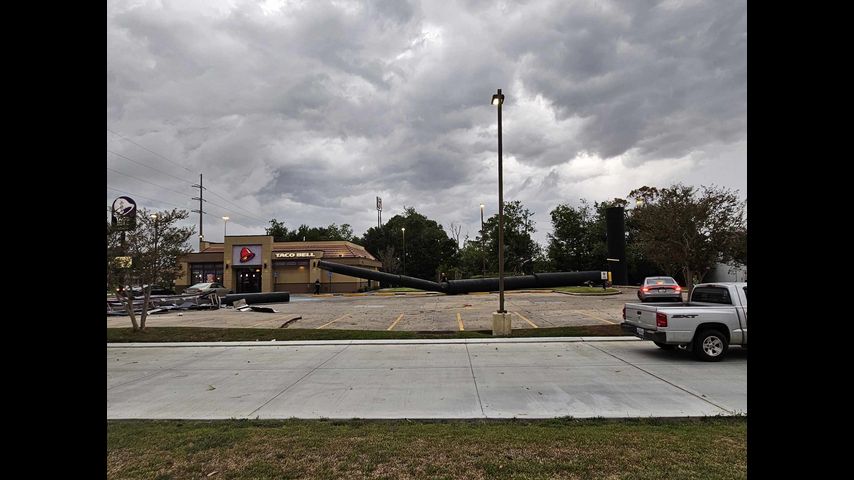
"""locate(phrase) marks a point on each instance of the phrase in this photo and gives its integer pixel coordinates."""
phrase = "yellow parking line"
(333, 321)
(395, 322)
(525, 319)
(597, 317)
(460, 321)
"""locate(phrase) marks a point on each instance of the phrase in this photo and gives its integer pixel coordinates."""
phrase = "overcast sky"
(306, 111)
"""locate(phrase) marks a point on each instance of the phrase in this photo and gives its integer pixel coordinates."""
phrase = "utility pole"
(200, 211)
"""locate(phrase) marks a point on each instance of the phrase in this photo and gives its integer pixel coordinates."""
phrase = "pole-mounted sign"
(124, 214)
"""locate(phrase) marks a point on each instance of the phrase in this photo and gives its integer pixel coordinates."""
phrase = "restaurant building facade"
(255, 263)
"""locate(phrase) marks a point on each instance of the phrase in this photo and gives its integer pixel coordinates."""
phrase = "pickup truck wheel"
(710, 346)
(664, 346)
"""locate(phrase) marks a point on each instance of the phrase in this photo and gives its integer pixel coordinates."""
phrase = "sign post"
(123, 219)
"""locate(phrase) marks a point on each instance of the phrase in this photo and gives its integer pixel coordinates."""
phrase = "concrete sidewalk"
(436, 379)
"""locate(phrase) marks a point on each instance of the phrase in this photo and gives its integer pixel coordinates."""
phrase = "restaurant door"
(248, 280)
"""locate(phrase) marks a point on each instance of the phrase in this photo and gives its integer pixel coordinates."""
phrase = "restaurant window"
(205, 272)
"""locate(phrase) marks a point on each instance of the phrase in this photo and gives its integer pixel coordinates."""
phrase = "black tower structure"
(616, 238)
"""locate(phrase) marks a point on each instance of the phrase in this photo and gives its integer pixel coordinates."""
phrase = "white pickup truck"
(714, 318)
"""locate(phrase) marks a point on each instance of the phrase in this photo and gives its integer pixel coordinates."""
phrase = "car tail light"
(660, 319)
(645, 289)
(624, 312)
(678, 288)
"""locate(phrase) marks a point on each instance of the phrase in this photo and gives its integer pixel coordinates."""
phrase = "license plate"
(640, 331)
(661, 290)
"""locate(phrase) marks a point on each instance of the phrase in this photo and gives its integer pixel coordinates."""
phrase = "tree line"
(681, 231)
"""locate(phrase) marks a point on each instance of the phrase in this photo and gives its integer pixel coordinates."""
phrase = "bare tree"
(455, 232)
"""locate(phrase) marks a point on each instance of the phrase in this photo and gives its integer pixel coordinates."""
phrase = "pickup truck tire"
(664, 346)
(710, 345)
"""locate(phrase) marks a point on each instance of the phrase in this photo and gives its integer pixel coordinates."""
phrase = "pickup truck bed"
(707, 328)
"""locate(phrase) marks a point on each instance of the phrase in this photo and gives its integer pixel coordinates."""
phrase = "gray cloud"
(306, 111)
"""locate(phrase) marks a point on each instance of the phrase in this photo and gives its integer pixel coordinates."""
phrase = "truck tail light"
(624, 312)
(660, 319)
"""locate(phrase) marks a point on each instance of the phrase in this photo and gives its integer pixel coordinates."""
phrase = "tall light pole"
(156, 259)
(403, 229)
(482, 243)
(498, 100)
(224, 228)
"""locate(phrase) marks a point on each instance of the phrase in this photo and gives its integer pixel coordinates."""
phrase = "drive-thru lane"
(472, 378)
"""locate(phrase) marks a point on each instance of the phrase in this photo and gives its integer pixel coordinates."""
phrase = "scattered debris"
(239, 303)
(211, 387)
(285, 325)
(262, 309)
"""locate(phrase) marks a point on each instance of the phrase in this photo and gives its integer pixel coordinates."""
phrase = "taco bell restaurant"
(255, 263)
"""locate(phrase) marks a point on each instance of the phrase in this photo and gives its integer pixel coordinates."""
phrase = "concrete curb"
(437, 341)
(606, 294)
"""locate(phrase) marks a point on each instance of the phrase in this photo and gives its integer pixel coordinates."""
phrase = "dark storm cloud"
(326, 104)
(658, 79)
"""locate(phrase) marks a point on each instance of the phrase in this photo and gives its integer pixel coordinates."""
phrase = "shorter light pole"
(403, 229)
(156, 259)
(482, 242)
(224, 228)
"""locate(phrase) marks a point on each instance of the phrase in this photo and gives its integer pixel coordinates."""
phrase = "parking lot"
(410, 312)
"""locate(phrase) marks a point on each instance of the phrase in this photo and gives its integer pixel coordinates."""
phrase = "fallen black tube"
(257, 298)
(359, 272)
(537, 280)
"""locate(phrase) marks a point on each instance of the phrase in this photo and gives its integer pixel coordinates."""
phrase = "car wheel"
(664, 346)
(710, 346)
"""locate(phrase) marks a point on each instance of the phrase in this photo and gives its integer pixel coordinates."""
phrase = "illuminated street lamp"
(500, 319)
(498, 100)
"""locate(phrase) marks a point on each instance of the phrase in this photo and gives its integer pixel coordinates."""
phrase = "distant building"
(723, 272)
(255, 263)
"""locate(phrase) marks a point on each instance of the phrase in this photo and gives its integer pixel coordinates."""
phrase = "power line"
(151, 151)
(225, 209)
(229, 211)
(185, 168)
(109, 207)
(146, 181)
(147, 166)
(236, 205)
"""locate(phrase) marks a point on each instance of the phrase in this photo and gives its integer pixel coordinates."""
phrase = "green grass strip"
(709, 448)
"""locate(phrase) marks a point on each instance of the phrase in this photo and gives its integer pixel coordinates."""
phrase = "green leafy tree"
(520, 249)
(575, 238)
(304, 233)
(471, 258)
(738, 247)
(681, 228)
(154, 247)
(279, 231)
(428, 246)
